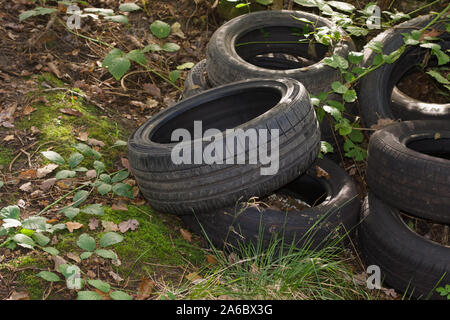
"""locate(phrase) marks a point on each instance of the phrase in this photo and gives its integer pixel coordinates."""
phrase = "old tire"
(409, 167)
(336, 215)
(375, 89)
(226, 63)
(185, 188)
(196, 81)
(410, 263)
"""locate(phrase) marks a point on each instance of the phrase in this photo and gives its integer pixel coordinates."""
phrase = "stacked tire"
(408, 173)
(213, 197)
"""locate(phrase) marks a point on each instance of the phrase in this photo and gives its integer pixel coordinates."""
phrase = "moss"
(6, 156)
(60, 130)
(152, 242)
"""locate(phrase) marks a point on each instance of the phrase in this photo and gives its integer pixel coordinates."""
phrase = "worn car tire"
(375, 89)
(185, 188)
(196, 81)
(409, 167)
(225, 63)
(410, 263)
(333, 218)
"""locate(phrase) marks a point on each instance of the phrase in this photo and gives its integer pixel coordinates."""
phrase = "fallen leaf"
(145, 289)
(128, 225)
(26, 187)
(321, 172)
(126, 164)
(83, 136)
(95, 142)
(382, 123)
(152, 89)
(28, 110)
(19, 296)
(28, 174)
(58, 261)
(72, 112)
(91, 274)
(121, 206)
(115, 276)
(34, 130)
(93, 224)
(74, 257)
(432, 33)
(211, 259)
(42, 172)
(47, 184)
(91, 174)
(54, 69)
(73, 226)
(193, 277)
(186, 235)
(8, 138)
(109, 226)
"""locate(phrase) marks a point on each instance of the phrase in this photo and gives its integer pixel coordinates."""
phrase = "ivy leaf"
(54, 157)
(123, 190)
(49, 276)
(117, 64)
(86, 242)
(376, 46)
(160, 29)
(110, 238)
(356, 136)
(105, 178)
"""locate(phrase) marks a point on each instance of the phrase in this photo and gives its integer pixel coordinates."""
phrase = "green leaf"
(26, 232)
(129, 7)
(64, 174)
(123, 190)
(439, 78)
(339, 87)
(350, 96)
(264, 2)
(118, 67)
(54, 157)
(170, 47)
(49, 276)
(27, 14)
(356, 136)
(333, 111)
(174, 75)
(87, 151)
(35, 223)
(99, 166)
(136, 56)
(105, 178)
(95, 209)
(342, 5)
(24, 241)
(443, 58)
(355, 57)
(110, 238)
(100, 11)
(86, 242)
(85, 255)
(185, 66)
(357, 31)
(11, 223)
(119, 176)
(118, 18)
(379, 59)
(119, 143)
(326, 147)
(430, 45)
(152, 47)
(100, 285)
(393, 56)
(120, 295)
(306, 3)
(41, 239)
(107, 254)
(336, 61)
(51, 250)
(10, 212)
(71, 212)
(344, 127)
(104, 188)
(79, 198)
(75, 159)
(88, 295)
(1, 183)
(160, 29)
(376, 46)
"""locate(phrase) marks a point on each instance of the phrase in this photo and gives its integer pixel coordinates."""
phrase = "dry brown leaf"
(132, 225)
(54, 69)
(91, 174)
(121, 206)
(186, 235)
(211, 259)
(95, 142)
(382, 123)
(115, 276)
(321, 172)
(432, 33)
(42, 172)
(193, 277)
(8, 138)
(152, 89)
(47, 184)
(73, 226)
(74, 257)
(22, 295)
(71, 112)
(93, 224)
(28, 110)
(145, 289)
(28, 174)
(83, 136)
(109, 226)
(26, 187)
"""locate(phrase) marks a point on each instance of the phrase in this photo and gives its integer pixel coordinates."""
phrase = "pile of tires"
(263, 45)
(408, 172)
(206, 195)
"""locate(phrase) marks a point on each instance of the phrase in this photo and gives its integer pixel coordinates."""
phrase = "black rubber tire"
(375, 89)
(414, 181)
(224, 64)
(409, 263)
(336, 215)
(407, 108)
(196, 81)
(188, 188)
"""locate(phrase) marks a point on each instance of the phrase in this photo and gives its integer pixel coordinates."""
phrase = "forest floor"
(56, 96)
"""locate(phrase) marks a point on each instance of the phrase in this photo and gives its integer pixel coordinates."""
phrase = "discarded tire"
(184, 188)
(375, 89)
(234, 49)
(409, 167)
(196, 80)
(408, 262)
(334, 211)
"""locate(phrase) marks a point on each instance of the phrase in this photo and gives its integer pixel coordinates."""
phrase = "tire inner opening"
(222, 113)
(438, 233)
(278, 48)
(439, 148)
